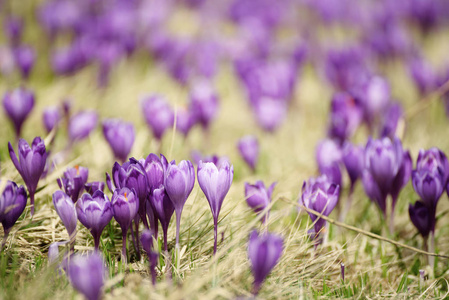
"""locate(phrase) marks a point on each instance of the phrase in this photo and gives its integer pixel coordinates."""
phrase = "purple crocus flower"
(320, 195)
(329, 157)
(184, 121)
(248, 147)
(423, 75)
(30, 164)
(163, 208)
(87, 274)
(178, 182)
(391, 122)
(376, 98)
(428, 185)
(353, 157)
(13, 27)
(18, 104)
(25, 58)
(264, 251)
(66, 211)
(125, 205)
(94, 212)
(421, 216)
(215, 182)
(82, 124)
(120, 136)
(433, 160)
(51, 117)
(12, 204)
(158, 114)
(147, 243)
(258, 197)
(73, 181)
(155, 168)
(203, 103)
(345, 116)
(270, 113)
(94, 186)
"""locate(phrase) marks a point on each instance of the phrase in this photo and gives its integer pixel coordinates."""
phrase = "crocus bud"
(270, 113)
(320, 195)
(353, 157)
(66, 211)
(428, 185)
(24, 57)
(30, 164)
(422, 217)
(51, 117)
(258, 197)
(342, 271)
(18, 104)
(125, 206)
(82, 124)
(184, 121)
(264, 251)
(12, 204)
(147, 243)
(155, 168)
(158, 114)
(94, 212)
(73, 180)
(423, 75)
(249, 150)
(203, 103)
(87, 274)
(329, 157)
(433, 160)
(163, 208)
(376, 97)
(215, 183)
(373, 191)
(178, 182)
(94, 186)
(120, 136)
(391, 122)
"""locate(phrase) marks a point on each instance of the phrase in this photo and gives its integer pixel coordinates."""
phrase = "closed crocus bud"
(392, 121)
(184, 121)
(320, 195)
(428, 185)
(422, 217)
(51, 117)
(353, 156)
(82, 124)
(376, 97)
(203, 103)
(24, 57)
(147, 243)
(345, 116)
(73, 180)
(249, 150)
(30, 164)
(94, 186)
(163, 208)
(87, 274)
(94, 212)
(120, 136)
(329, 157)
(18, 104)
(423, 75)
(270, 113)
(433, 160)
(264, 252)
(178, 182)
(158, 114)
(12, 204)
(383, 159)
(258, 196)
(155, 168)
(215, 182)
(66, 211)
(125, 206)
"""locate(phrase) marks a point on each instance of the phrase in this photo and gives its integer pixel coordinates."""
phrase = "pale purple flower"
(120, 135)
(248, 147)
(258, 197)
(65, 208)
(12, 204)
(158, 114)
(82, 124)
(18, 104)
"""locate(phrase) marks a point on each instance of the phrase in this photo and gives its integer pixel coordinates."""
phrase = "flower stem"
(32, 202)
(5, 237)
(432, 250)
(215, 235)
(124, 258)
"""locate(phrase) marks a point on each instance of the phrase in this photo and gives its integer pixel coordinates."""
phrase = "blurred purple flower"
(82, 124)
(51, 117)
(353, 157)
(66, 211)
(158, 114)
(203, 103)
(422, 217)
(12, 204)
(329, 159)
(94, 186)
(25, 57)
(258, 197)
(270, 113)
(164, 209)
(147, 243)
(391, 122)
(248, 147)
(120, 136)
(18, 104)
(345, 116)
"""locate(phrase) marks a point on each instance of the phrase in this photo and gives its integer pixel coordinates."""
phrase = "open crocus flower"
(125, 206)
(264, 251)
(12, 204)
(215, 182)
(248, 147)
(320, 195)
(94, 212)
(30, 164)
(66, 211)
(73, 181)
(18, 104)
(258, 196)
(120, 136)
(87, 274)
(178, 182)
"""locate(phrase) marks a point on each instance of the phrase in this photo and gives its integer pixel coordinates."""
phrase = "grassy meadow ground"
(374, 269)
